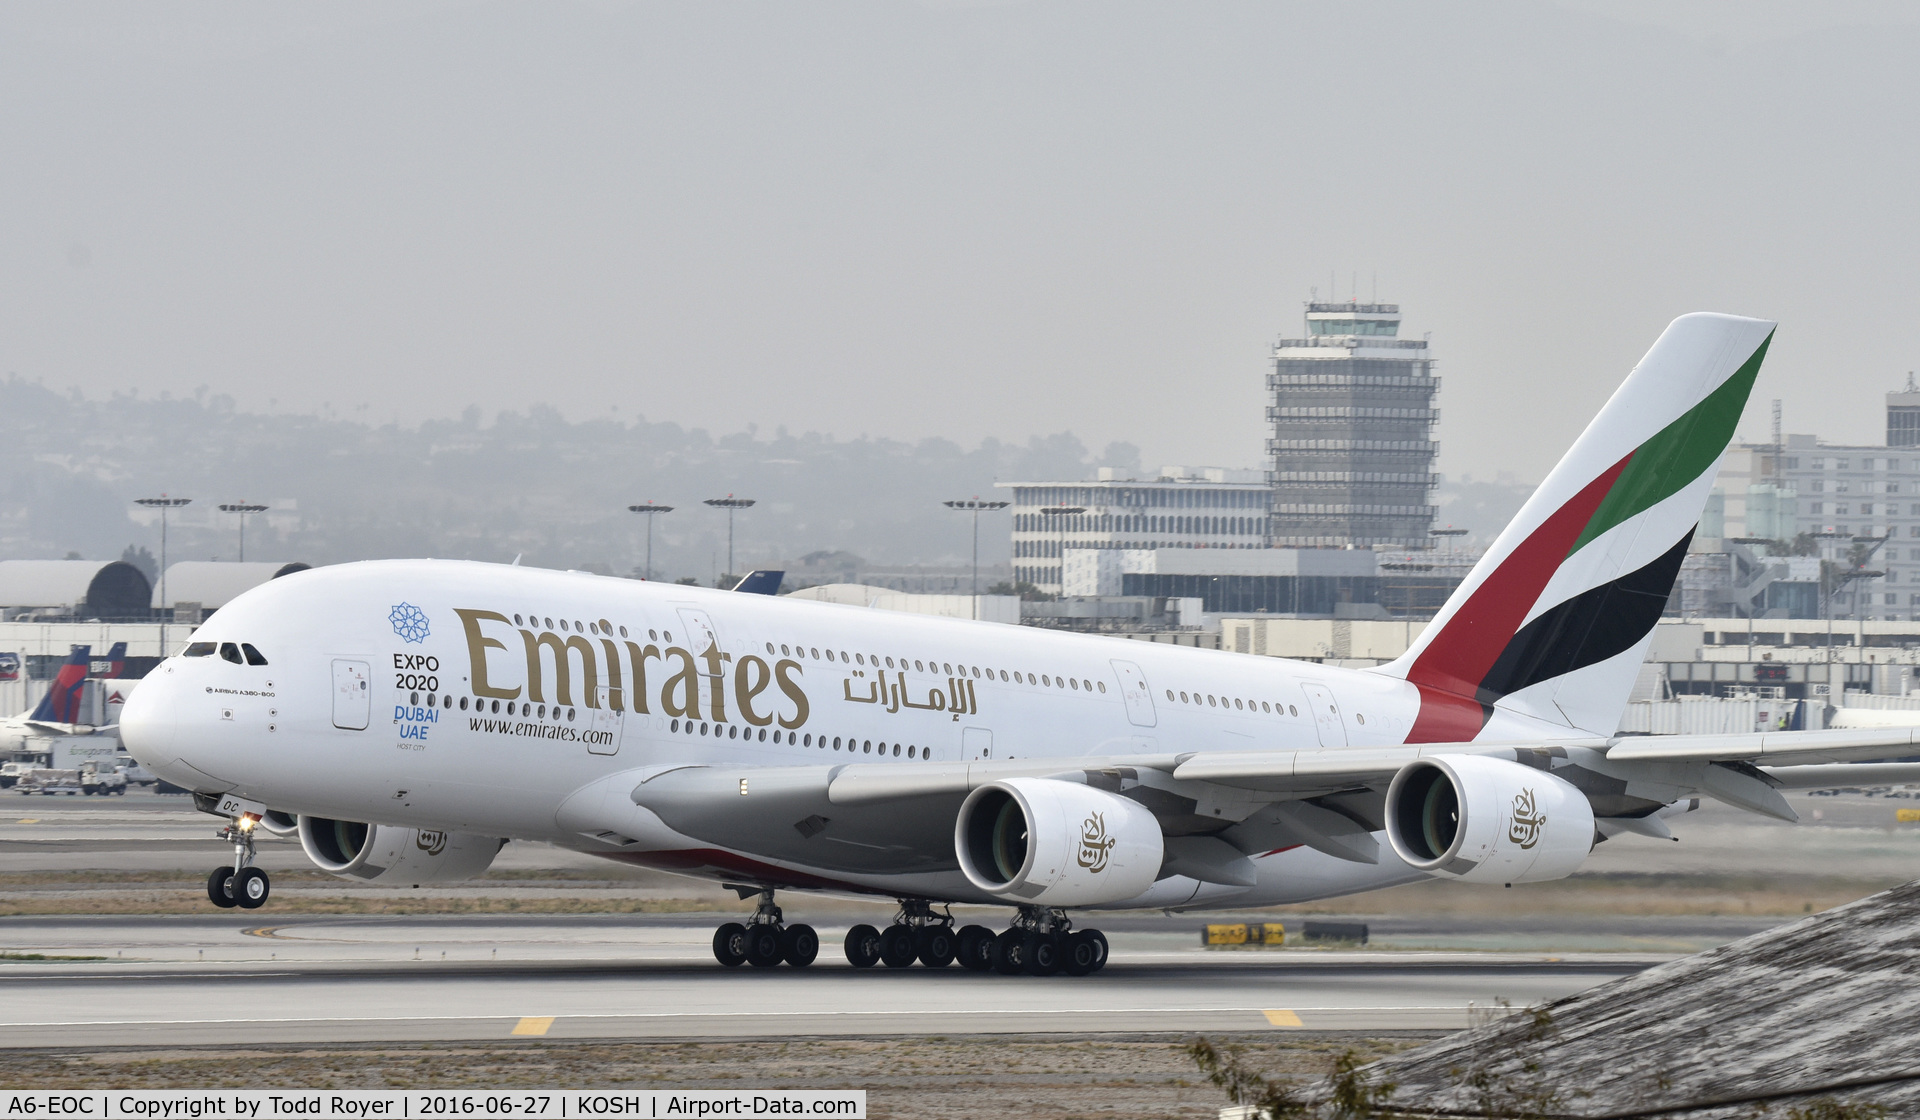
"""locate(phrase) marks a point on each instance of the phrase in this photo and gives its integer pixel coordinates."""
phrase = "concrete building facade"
(1202, 508)
(1352, 448)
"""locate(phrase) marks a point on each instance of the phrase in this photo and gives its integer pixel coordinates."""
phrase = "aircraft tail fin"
(1554, 620)
(760, 582)
(61, 704)
(117, 659)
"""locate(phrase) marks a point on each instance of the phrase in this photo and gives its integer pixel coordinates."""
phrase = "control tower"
(1352, 447)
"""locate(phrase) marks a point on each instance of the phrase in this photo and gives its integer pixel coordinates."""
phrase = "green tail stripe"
(1677, 454)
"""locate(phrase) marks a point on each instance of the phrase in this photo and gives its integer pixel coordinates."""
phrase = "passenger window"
(549, 623)
(1003, 674)
(947, 668)
(919, 667)
(231, 652)
(517, 621)
(1045, 679)
(1076, 685)
(1103, 686)
(199, 649)
(253, 655)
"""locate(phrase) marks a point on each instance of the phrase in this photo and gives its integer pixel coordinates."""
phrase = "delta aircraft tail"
(1554, 620)
(61, 704)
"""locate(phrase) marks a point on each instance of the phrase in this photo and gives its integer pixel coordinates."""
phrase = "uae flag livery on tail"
(1554, 620)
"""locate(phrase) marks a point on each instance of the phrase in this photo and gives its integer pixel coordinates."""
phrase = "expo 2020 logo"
(409, 621)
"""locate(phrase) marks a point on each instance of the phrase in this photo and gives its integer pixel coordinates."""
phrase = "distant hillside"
(527, 483)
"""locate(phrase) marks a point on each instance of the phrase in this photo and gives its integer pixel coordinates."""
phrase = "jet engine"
(1047, 842)
(381, 853)
(279, 823)
(1487, 820)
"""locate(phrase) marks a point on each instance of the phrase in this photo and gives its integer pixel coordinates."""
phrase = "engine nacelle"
(395, 856)
(1051, 843)
(1487, 820)
(279, 823)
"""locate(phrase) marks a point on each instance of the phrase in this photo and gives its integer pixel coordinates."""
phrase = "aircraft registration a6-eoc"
(407, 718)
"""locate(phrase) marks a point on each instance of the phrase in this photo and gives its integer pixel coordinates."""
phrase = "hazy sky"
(952, 219)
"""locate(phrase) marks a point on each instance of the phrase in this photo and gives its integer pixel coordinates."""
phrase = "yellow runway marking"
(1281, 1017)
(533, 1024)
(29, 820)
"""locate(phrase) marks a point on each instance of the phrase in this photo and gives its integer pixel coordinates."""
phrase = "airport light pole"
(650, 509)
(729, 503)
(974, 506)
(242, 509)
(163, 504)
(1059, 515)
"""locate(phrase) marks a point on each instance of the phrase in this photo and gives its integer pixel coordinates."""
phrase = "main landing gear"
(765, 940)
(1040, 942)
(243, 884)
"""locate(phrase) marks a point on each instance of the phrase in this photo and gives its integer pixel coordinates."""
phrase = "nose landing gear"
(241, 885)
(765, 940)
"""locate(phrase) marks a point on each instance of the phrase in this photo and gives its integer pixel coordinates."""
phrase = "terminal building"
(1352, 448)
(1855, 507)
(1198, 508)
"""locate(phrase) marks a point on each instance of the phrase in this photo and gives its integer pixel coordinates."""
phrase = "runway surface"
(320, 980)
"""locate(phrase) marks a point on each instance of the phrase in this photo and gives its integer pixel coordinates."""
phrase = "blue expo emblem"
(410, 622)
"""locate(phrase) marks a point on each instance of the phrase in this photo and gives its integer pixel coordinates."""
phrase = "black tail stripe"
(1594, 625)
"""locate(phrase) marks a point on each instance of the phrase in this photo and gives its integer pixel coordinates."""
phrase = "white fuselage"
(480, 698)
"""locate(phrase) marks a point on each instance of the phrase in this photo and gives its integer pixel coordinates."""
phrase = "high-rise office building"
(1352, 449)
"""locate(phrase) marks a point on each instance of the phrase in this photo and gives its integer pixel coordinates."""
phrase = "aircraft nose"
(149, 722)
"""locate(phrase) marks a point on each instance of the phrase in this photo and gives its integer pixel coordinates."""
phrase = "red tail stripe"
(1452, 666)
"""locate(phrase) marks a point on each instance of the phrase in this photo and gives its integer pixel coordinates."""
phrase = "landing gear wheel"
(1081, 954)
(220, 888)
(799, 945)
(975, 945)
(934, 946)
(1100, 942)
(896, 947)
(863, 946)
(250, 888)
(975, 948)
(1043, 954)
(1010, 952)
(763, 946)
(730, 944)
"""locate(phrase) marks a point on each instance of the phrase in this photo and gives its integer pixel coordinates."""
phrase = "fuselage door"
(701, 637)
(976, 743)
(1326, 715)
(604, 728)
(1133, 688)
(352, 695)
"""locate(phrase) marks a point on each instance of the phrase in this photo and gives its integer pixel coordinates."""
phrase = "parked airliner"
(408, 718)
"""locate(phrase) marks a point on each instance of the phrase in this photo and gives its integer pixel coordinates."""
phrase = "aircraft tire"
(1080, 954)
(730, 944)
(763, 946)
(1043, 954)
(934, 945)
(799, 945)
(220, 887)
(896, 947)
(863, 946)
(975, 946)
(1010, 952)
(1100, 941)
(251, 888)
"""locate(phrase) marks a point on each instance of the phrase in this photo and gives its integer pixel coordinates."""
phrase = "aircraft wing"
(888, 817)
(1775, 748)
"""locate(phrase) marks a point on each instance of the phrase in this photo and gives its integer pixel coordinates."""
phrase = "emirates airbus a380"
(409, 717)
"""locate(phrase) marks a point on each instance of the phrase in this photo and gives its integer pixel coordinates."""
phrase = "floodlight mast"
(243, 509)
(163, 503)
(649, 509)
(974, 505)
(729, 503)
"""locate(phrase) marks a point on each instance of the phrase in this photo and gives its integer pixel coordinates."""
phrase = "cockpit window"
(231, 652)
(199, 649)
(254, 656)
